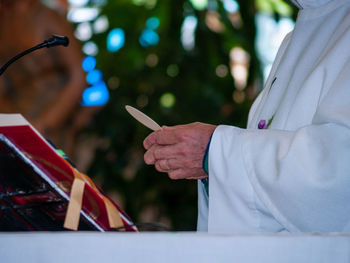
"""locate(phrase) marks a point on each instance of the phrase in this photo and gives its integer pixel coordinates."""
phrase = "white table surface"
(172, 247)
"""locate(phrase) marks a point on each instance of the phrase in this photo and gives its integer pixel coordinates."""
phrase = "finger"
(186, 173)
(167, 136)
(149, 155)
(169, 151)
(159, 168)
(181, 163)
(162, 137)
(198, 177)
(149, 141)
(156, 152)
(178, 174)
(163, 164)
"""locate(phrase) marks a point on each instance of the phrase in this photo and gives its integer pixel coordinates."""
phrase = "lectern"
(41, 190)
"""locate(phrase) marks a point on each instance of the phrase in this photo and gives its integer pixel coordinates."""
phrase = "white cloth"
(295, 175)
(171, 247)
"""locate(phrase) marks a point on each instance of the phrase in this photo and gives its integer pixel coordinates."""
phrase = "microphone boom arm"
(51, 42)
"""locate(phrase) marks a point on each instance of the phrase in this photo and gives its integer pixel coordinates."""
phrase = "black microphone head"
(56, 40)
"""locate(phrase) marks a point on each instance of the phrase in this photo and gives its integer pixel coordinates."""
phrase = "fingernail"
(149, 160)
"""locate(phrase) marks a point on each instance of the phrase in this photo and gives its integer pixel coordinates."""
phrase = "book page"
(14, 119)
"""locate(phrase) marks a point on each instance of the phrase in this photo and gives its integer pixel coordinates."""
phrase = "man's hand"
(179, 150)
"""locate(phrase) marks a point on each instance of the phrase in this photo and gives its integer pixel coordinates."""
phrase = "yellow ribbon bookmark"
(74, 206)
(76, 198)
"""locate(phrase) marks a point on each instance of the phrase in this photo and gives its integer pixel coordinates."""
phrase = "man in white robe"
(289, 171)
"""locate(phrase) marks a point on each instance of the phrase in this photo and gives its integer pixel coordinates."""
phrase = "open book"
(41, 190)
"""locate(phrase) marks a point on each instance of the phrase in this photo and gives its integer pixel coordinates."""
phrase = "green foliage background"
(200, 94)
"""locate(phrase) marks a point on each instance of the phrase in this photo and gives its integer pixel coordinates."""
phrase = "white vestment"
(295, 175)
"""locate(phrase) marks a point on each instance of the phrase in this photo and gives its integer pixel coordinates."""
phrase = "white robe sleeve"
(301, 177)
(202, 220)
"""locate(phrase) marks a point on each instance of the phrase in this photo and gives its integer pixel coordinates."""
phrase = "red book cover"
(41, 157)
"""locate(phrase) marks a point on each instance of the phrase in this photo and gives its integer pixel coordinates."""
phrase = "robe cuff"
(231, 197)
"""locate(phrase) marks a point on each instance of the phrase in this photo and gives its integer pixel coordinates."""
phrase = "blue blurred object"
(115, 40)
(97, 95)
(152, 23)
(94, 76)
(89, 63)
(148, 38)
(231, 6)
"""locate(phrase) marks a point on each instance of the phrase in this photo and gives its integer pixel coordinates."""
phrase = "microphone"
(53, 41)
(56, 40)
